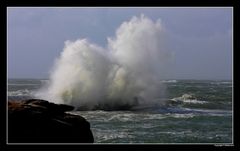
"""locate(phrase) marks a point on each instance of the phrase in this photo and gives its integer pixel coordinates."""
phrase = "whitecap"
(190, 115)
(188, 98)
(194, 101)
(122, 117)
(169, 81)
(24, 92)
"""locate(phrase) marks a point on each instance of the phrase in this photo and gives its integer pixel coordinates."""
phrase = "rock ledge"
(39, 121)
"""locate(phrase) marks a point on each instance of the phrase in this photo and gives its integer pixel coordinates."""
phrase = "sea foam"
(126, 73)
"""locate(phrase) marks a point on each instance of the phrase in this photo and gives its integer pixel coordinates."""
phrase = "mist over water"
(128, 72)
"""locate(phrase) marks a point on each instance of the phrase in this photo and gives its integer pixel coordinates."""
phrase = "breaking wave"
(125, 74)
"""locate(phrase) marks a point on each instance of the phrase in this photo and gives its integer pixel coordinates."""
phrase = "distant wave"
(24, 92)
(188, 98)
(44, 81)
(169, 81)
(21, 84)
(222, 82)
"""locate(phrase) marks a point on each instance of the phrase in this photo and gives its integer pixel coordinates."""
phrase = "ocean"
(196, 111)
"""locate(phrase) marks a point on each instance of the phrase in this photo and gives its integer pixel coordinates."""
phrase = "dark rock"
(115, 105)
(39, 121)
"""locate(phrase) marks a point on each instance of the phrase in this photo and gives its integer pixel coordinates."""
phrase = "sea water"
(197, 111)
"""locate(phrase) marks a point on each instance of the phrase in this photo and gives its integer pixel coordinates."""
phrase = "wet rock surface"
(39, 121)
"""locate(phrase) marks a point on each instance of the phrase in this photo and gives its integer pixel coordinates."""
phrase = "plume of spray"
(126, 73)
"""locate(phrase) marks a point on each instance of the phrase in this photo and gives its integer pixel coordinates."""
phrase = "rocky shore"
(39, 121)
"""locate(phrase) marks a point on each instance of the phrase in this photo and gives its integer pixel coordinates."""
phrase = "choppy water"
(197, 111)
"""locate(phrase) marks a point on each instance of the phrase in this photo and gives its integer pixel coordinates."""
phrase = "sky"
(200, 39)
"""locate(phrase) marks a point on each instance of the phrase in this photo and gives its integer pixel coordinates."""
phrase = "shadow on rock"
(39, 121)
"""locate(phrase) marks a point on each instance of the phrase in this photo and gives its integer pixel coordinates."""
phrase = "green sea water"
(195, 111)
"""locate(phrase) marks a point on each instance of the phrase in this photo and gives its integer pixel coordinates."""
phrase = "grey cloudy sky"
(200, 38)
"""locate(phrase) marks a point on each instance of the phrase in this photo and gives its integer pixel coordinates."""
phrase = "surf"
(124, 74)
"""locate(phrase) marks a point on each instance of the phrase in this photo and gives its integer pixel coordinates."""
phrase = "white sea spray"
(128, 71)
